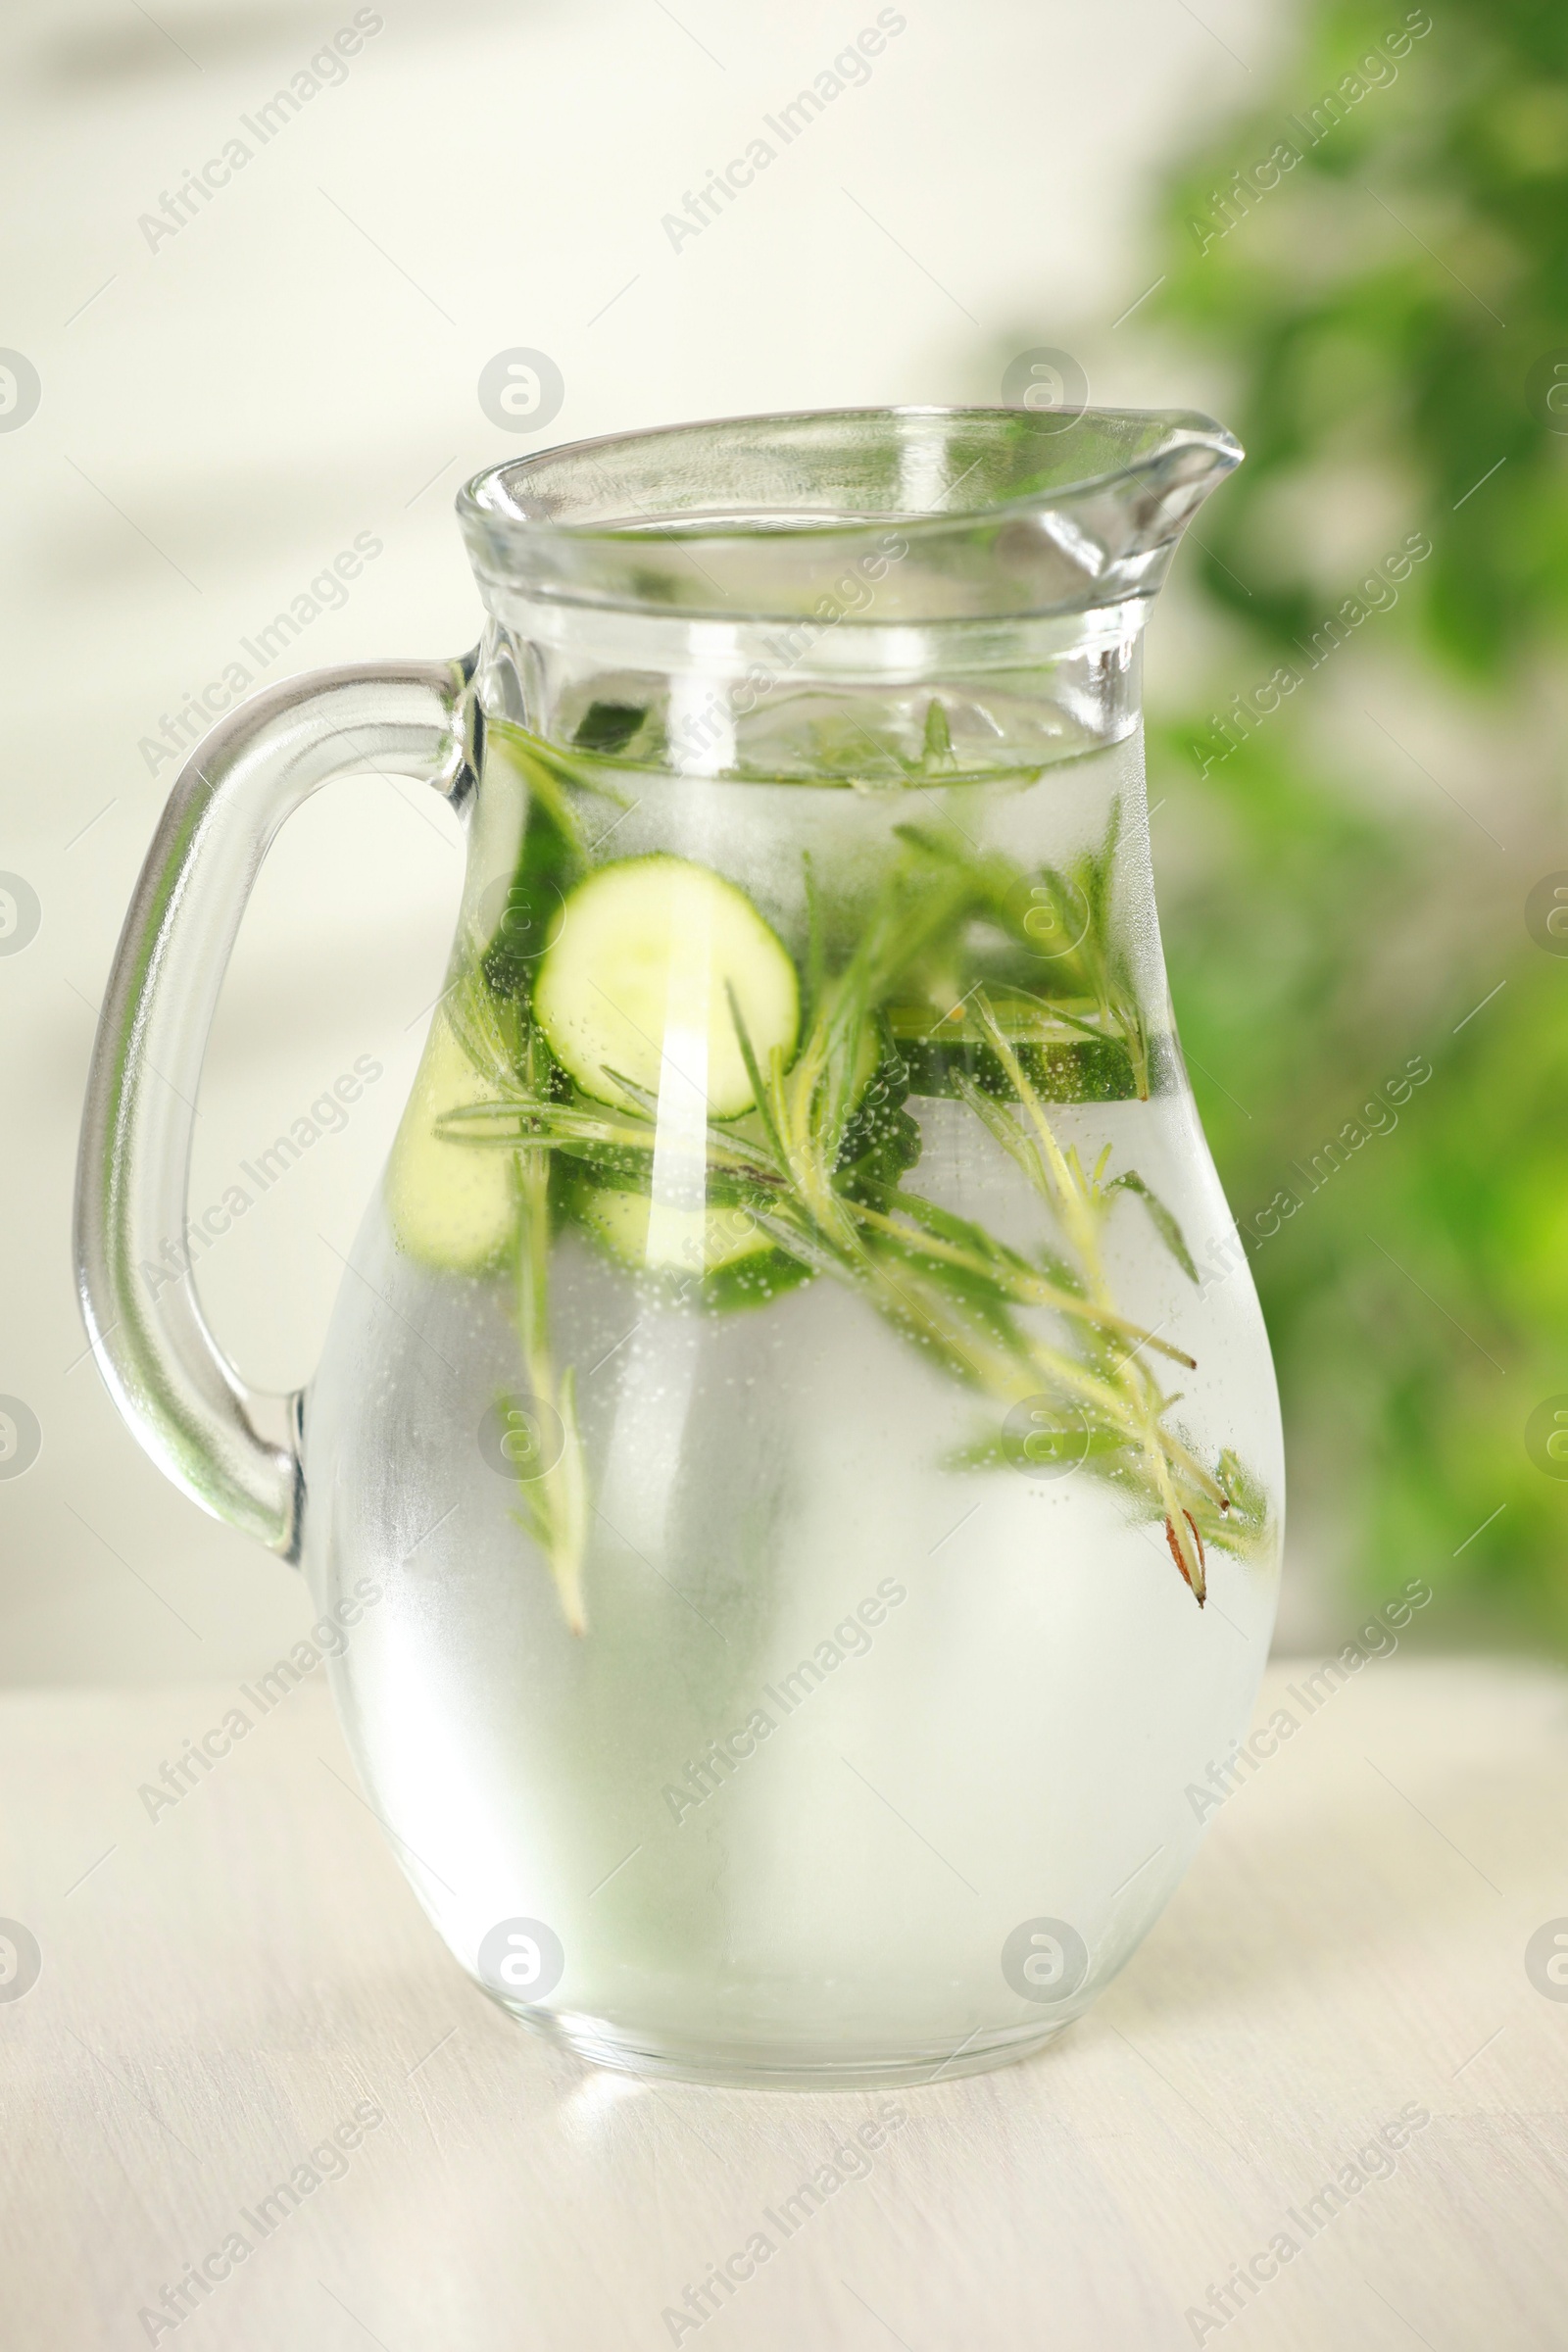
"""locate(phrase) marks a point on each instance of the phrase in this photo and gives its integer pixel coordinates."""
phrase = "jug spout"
(1122, 487)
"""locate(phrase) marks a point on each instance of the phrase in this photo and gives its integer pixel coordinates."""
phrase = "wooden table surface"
(223, 1989)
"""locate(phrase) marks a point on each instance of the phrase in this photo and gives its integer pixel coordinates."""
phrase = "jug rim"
(1184, 429)
(752, 513)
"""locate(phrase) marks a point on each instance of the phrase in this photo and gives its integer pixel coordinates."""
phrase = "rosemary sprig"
(1078, 1202)
(553, 1505)
(551, 1502)
(959, 1295)
(1014, 1275)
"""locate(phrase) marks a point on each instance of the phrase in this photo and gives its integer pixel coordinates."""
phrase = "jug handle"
(234, 1449)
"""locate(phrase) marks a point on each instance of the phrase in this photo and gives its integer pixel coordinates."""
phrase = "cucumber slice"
(678, 1241)
(452, 1205)
(638, 979)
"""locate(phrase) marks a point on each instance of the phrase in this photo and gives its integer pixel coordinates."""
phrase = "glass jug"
(797, 1455)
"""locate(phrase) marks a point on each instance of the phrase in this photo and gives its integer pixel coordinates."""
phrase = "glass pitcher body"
(798, 1446)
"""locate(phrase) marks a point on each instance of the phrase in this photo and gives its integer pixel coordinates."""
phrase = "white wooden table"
(223, 1988)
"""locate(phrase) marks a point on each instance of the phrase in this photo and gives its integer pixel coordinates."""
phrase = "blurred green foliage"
(1388, 315)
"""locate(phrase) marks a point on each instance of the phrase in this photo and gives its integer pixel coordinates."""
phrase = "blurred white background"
(222, 411)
